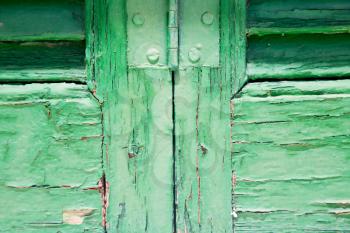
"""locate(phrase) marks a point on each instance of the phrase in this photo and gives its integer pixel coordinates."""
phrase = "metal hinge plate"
(173, 33)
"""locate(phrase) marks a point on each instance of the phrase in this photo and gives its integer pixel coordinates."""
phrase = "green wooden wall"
(111, 121)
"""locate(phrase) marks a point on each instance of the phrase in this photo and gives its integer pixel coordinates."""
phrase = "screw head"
(153, 55)
(207, 18)
(194, 55)
(138, 19)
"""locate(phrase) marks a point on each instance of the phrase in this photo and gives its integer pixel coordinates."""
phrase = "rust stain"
(103, 186)
(131, 155)
(199, 192)
(76, 217)
(204, 149)
(85, 138)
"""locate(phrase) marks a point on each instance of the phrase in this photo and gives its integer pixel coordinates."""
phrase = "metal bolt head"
(194, 55)
(138, 19)
(207, 18)
(153, 55)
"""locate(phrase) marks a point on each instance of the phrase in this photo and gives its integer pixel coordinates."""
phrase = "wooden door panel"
(50, 153)
(291, 156)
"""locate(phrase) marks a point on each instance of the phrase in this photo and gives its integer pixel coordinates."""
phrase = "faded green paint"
(137, 128)
(203, 140)
(291, 160)
(154, 142)
(47, 180)
(203, 157)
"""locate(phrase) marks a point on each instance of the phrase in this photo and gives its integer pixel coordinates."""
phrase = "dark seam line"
(24, 82)
(173, 76)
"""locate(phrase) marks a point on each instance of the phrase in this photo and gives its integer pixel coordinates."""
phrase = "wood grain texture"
(291, 157)
(236, 13)
(297, 16)
(41, 20)
(42, 61)
(50, 153)
(137, 127)
(203, 141)
(298, 56)
(203, 157)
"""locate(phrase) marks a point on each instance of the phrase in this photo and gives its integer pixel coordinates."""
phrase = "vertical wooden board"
(140, 157)
(41, 20)
(203, 167)
(291, 160)
(137, 128)
(50, 158)
(203, 140)
(237, 14)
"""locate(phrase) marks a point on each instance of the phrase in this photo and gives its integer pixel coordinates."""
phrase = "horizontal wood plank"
(297, 16)
(42, 61)
(47, 209)
(291, 156)
(298, 56)
(50, 158)
(41, 20)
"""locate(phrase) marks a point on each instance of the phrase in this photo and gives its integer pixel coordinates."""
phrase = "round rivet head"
(194, 55)
(207, 18)
(153, 55)
(138, 19)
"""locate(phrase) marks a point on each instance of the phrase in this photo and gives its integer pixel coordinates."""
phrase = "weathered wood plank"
(203, 141)
(298, 56)
(291, 156)
(42, 61)
(50, 153)
(45, 209)
(203, 151)
(41, 20)
(297, 16)
(137, 128)
(235, 11)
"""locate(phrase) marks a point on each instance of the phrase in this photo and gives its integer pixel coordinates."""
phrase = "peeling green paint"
(50, 158)
(170, 134)
(291, 156)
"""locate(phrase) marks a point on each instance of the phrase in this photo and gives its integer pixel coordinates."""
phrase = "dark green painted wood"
(41, 20)
(42, 61)
(291, 157)
(50, 159)
(298, 56)
(297, 16)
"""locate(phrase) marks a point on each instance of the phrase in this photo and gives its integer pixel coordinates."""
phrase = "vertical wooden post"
(137, 108)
